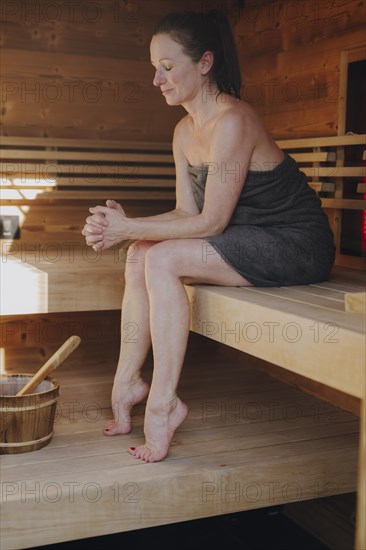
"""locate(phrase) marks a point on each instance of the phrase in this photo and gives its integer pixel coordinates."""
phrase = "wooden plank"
(72, 196)
(346, 204)
(328, 141)
(84, 156)
(322, 186)
(44, 170)
(304, 296)
(100, 181)
(356, 302)
(361, 486)
(330, 294)
(68, 143)
(176, 496)
(361, 188)
(77, 32)
(322, 156)
(334, 171)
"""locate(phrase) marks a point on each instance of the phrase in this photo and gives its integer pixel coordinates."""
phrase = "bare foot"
(123, 399)
(159, 428)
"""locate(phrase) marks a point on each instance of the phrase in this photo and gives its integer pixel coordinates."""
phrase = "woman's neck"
(206, 105)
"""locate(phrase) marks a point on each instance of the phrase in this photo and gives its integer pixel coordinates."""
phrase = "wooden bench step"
(223, 459)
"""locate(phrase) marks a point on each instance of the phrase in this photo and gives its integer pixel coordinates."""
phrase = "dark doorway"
(353, 234)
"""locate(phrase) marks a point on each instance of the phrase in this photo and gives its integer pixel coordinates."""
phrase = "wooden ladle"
(53, 362)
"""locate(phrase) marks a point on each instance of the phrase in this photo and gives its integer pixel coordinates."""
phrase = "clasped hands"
(108, 225)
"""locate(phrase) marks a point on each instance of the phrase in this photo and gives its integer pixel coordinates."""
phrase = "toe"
(117, 428)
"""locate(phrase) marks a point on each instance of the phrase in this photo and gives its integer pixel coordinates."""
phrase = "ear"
(206, 62)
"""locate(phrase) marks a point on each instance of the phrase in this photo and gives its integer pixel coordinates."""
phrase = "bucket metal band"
(24, 443)
(29, 408)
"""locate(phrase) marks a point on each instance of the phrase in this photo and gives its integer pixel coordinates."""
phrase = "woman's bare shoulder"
(240, 118)
(235, 131)
(244, 126)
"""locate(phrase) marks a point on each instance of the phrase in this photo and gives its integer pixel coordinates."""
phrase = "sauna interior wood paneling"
(290, 54)
(83, 69)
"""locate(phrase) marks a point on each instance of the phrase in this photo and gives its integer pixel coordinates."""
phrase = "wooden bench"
(316, 331)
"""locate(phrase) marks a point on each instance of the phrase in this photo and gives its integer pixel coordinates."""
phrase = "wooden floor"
(249, 442)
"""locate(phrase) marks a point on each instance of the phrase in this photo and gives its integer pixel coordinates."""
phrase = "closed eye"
(165, 68)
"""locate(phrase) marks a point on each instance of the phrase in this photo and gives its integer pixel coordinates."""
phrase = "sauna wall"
(290, 53)
(82, 68)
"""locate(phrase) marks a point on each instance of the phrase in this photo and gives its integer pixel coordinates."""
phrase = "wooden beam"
(349, 139)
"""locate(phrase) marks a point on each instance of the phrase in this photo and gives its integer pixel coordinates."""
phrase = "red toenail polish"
(132, 448)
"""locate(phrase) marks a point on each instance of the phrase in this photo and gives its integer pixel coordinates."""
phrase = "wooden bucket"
(26, 421)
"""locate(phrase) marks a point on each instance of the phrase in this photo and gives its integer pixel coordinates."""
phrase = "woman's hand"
(107, 226)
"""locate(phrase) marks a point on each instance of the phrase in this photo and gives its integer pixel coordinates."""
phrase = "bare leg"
(129, 388)
(168, 266)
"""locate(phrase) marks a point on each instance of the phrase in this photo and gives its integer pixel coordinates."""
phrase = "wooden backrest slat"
(97, 156)
(322, 156)
(105, 184)
(331, 141)
(117, 181)
(322, 186)
(334, 171)
(49, 196)
(84, 144)
(292, 143)
(42, 170)
(57, 164)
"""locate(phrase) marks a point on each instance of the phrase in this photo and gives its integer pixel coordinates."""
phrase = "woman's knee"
(162, 260)
(135, 260)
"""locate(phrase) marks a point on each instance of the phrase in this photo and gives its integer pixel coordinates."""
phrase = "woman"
(244, 216)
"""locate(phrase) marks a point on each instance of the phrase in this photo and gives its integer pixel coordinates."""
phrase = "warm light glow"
(25, 188)
(2, 361)
(15, 194)
(21, 182)
(23, 288)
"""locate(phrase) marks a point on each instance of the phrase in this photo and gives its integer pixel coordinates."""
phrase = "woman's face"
(179, 78)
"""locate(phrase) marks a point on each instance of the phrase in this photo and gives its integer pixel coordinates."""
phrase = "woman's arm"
(185, 201)
(230, 151)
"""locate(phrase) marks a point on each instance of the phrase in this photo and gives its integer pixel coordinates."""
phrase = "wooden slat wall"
(290, 53)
